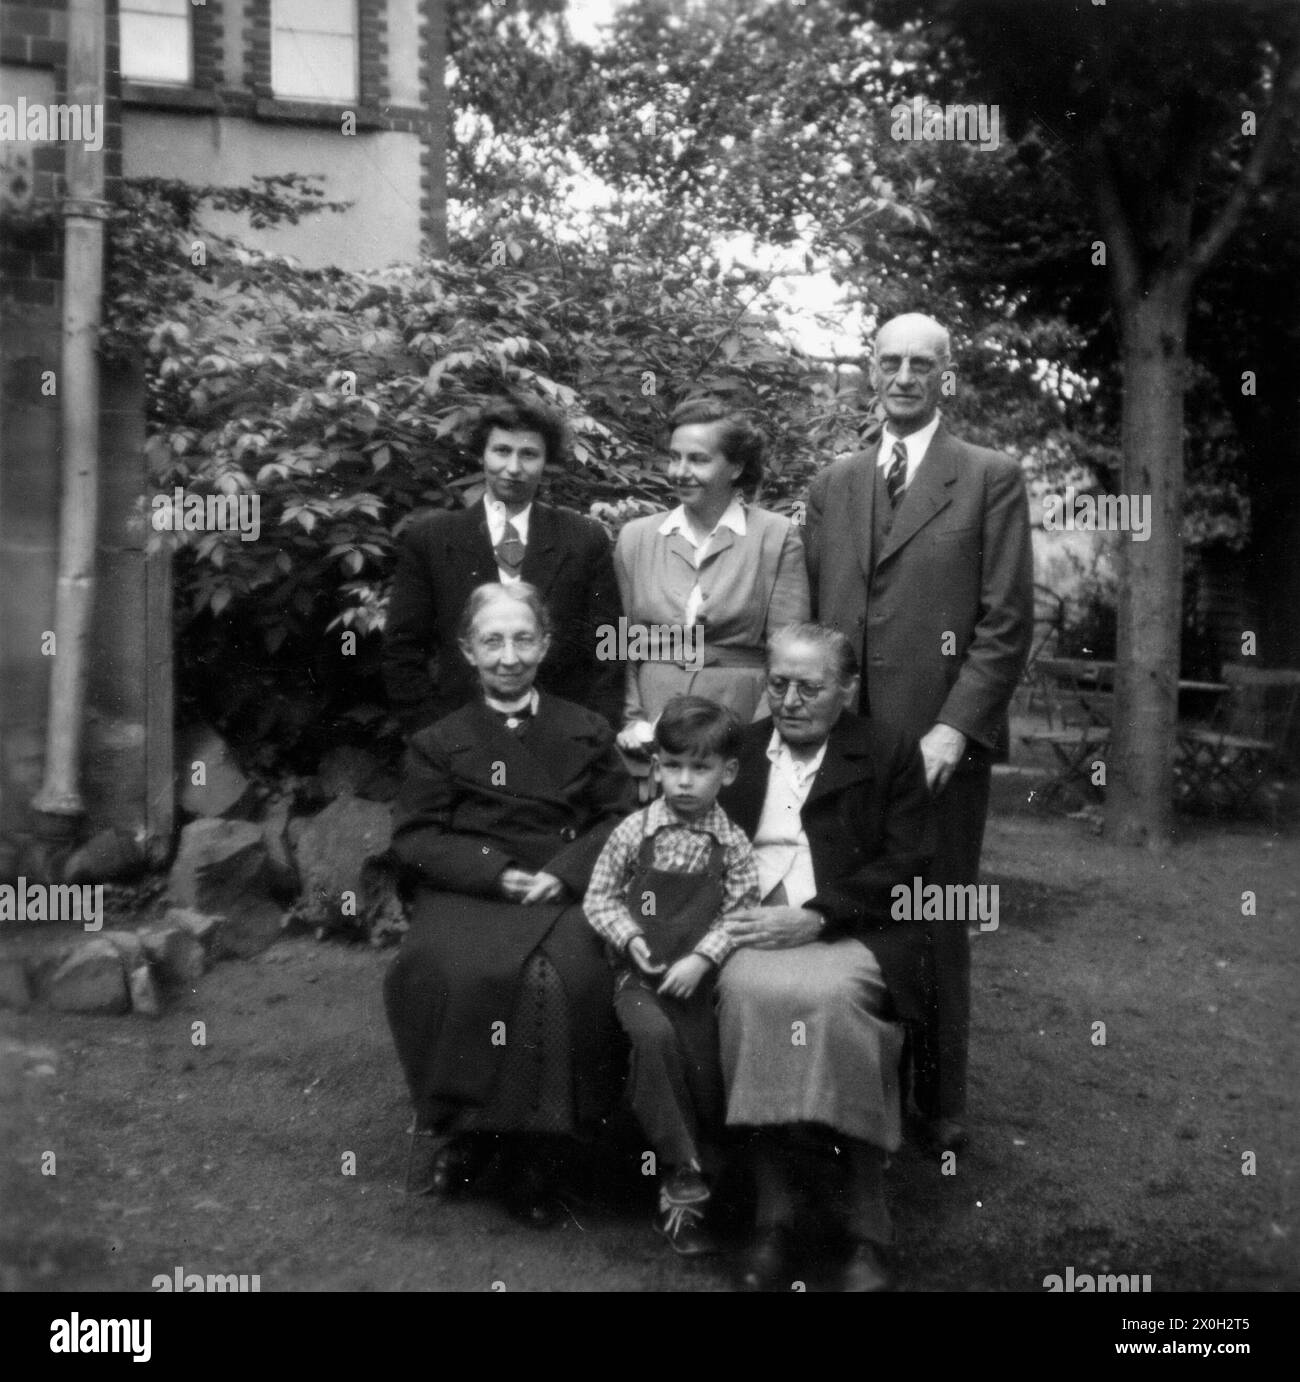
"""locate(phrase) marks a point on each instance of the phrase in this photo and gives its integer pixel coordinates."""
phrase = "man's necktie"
(896, 475)
(510, 550)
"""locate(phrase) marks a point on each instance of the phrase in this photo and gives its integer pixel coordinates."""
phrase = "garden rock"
(176, 954)
(349, 771)
(145, 998)
(90, 980)
(15, 988)
(224, 791)
(332, 850)
(111, 856)
(128, 945)
(204, 928)
(222, 868)
(275, 836)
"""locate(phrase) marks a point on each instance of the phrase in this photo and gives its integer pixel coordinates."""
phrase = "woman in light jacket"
(720, 571)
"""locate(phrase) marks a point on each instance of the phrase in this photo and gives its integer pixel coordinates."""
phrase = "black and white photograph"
(649, 646)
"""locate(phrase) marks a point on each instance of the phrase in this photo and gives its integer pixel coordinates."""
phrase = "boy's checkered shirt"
(682, 848)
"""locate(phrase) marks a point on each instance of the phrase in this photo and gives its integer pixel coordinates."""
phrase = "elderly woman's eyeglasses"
(522, 643)
(805, 690)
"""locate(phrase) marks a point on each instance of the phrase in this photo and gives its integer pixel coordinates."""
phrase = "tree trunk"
(1140, 770)
(1272, 560)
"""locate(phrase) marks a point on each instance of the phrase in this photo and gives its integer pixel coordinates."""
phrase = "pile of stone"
(248, 867)
(112, 971)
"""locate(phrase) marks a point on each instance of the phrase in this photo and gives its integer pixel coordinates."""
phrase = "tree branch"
(1115, 226)
(1286, 98)
(731, 324)
(1190, 138)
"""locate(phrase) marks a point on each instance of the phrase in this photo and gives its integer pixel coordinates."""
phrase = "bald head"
(911, 354)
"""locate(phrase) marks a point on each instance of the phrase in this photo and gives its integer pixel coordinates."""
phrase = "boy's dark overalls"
(675, 1088)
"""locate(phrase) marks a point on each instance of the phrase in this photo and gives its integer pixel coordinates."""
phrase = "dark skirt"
(503, 1017)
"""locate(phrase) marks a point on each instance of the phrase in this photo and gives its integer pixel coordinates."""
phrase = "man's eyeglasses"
(921, 366)
(805, 690)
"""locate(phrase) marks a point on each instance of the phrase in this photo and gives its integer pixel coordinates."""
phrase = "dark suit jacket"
(475, 799)
(944, 612)
(868, 818)
(443, 556)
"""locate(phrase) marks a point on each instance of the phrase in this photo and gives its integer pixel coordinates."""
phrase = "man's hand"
(684, 977)
(546, 888)
(942, 748)
(775, 928)
(639, 951)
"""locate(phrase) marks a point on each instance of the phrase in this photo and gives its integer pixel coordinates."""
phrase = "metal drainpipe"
(59, 805)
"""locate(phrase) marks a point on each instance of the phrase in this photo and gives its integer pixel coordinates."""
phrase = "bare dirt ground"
(1125, 1157)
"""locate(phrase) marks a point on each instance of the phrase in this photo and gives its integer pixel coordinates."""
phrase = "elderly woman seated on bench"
(500, 1001)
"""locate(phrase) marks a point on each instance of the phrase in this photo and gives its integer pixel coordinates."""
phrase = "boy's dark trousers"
(675, 1087)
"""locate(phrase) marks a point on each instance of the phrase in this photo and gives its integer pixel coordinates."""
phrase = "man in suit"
(841, 818)
(919, 550)
(510, 536)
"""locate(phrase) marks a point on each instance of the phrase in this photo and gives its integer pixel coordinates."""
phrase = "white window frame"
(157, 9)
(286, 92)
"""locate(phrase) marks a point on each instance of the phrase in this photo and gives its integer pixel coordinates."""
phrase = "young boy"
(660, 895)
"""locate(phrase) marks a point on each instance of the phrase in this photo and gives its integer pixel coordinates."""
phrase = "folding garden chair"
(1235, 761)
(1077, 696)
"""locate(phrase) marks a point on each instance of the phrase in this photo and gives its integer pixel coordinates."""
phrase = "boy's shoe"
(683, 1200)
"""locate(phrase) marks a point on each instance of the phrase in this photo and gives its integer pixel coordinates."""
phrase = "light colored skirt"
(802, 1041)
(740, 689)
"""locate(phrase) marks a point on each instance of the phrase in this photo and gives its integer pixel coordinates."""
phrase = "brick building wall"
(228, 124)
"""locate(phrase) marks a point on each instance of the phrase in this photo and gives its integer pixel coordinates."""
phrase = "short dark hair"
(519, 591)
(838, 646)
(694, 724)
(516, 413)
(739, 440)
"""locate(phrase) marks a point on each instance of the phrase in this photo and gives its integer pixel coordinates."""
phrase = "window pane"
(314, 67)
(314, 49)
(155, 46)
(176, 8)
(316, 16)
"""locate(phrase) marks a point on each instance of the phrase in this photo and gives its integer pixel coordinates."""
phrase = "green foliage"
(708, 122)
(148, 268)
(761, 119)
(340, 401)
(1130, 125)
(597, 200)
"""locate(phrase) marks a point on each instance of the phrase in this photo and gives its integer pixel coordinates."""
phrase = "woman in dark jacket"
(500, 1000)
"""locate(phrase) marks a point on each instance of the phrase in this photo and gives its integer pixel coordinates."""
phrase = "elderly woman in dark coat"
(500, 1000)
